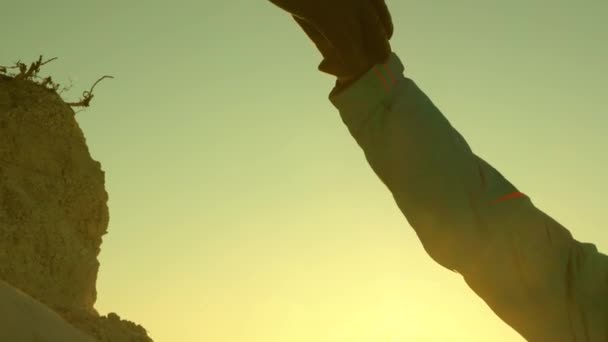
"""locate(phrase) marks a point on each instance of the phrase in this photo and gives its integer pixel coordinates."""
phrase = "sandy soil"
(24, 319)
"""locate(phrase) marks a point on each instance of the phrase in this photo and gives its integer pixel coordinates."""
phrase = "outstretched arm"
(470, 219)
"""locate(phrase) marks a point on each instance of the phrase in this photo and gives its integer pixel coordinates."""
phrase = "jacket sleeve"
(472, 220)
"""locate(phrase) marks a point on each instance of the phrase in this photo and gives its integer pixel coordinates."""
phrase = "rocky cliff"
(53, 209)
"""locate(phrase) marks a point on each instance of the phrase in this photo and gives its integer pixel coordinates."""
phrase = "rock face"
(53, 209)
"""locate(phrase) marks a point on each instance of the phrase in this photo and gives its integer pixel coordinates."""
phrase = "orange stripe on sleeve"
(389, 72)
(382, 79)
(513, 195)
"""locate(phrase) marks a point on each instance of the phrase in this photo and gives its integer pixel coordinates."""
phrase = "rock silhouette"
(53, 210)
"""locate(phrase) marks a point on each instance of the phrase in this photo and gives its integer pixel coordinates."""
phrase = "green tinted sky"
(242, 210)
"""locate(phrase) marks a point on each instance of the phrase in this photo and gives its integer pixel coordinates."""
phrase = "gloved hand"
(352, 35)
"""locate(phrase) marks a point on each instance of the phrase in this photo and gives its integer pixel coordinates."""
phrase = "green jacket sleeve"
(470, 218)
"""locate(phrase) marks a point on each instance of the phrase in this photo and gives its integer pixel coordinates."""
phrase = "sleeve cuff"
(376, 87)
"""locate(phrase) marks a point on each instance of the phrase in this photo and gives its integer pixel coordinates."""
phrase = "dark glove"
(352, 35)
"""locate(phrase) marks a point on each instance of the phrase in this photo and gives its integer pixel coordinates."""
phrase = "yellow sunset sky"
(241, 210)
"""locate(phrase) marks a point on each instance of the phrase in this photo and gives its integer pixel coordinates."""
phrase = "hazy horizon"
(241, 210)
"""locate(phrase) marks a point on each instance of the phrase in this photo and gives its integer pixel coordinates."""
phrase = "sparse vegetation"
(31, 74)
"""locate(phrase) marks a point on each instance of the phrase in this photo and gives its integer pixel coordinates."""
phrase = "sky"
(241, 210)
